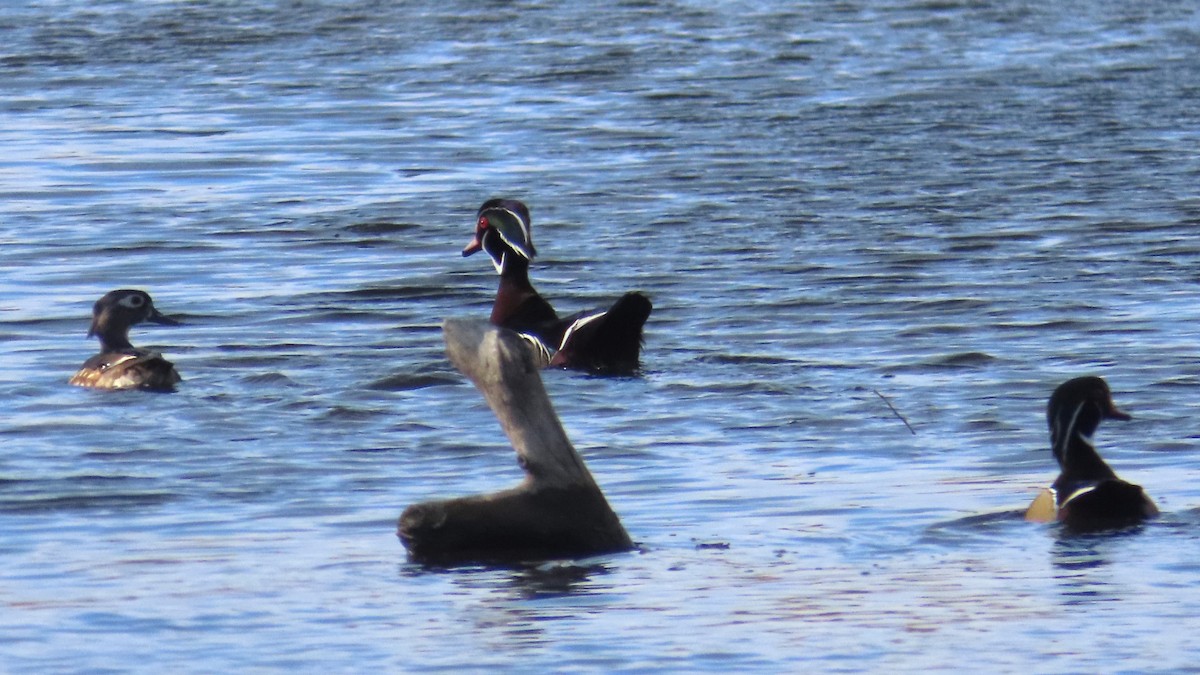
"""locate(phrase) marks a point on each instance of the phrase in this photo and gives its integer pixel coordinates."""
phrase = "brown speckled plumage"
(120, 365)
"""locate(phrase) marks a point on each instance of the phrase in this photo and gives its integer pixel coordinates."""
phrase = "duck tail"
(608, 341)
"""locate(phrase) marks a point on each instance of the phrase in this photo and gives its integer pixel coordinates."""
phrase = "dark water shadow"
(530, 580)
(1080, 562)
(984, 527)
(39, 504)
(991, 524)
(557, 579)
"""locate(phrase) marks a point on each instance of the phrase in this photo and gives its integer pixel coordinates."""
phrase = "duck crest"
(502, 229)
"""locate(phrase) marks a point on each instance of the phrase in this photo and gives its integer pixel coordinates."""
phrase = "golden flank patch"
(1043, 509)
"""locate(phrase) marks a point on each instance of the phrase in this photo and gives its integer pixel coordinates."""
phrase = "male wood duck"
(608, 341)
(1087, 493)
(120, 365)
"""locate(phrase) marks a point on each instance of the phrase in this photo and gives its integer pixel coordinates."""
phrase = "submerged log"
(557, 511)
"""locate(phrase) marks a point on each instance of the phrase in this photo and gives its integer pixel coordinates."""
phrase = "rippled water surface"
(953, 205)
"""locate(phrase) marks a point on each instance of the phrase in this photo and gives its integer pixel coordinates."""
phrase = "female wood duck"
(1087, 493)
(120, 365)
(608, 341)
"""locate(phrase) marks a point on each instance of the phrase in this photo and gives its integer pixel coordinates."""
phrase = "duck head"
(502, 228)
(1075, 411)
(117, 311)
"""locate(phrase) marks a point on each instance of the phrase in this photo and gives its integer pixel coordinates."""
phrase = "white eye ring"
(134, 301)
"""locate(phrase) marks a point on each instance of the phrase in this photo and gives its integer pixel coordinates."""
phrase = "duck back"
(138, 369)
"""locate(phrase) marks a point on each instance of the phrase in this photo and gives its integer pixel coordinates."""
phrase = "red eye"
(483, 222)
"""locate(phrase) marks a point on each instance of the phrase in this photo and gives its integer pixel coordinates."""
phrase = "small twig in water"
(895, 412)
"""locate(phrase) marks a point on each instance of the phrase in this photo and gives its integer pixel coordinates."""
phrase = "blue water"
(953, 205)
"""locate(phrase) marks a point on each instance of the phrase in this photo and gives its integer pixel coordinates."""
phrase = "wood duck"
(1087, 493)
(120, 365)
(606, 341)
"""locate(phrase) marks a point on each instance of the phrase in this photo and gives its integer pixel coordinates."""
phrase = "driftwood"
(557, 511)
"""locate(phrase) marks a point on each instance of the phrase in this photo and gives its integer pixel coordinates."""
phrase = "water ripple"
(952, 205)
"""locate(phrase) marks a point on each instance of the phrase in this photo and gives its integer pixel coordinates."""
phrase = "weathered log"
(557, 511)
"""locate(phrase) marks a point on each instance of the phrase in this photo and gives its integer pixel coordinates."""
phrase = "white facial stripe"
(518, 246)
(1082, 436)
(1070, 430)
(519, 219)
(1075, 417)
